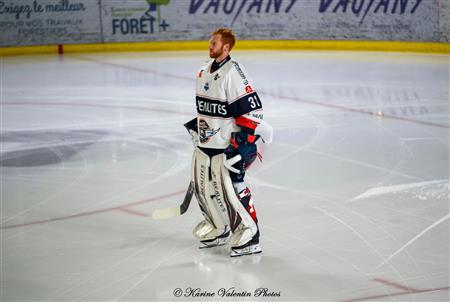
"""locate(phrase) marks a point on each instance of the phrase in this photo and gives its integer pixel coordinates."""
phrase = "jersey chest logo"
(205, 131)
(206, 87)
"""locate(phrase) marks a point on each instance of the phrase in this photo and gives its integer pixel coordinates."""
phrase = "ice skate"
(244, 241)
(250, 248)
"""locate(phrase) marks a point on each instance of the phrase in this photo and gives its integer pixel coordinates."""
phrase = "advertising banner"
(34, 22)
(147, 20)
(40, 22)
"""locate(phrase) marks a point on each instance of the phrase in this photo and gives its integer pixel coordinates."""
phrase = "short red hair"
(227, 36)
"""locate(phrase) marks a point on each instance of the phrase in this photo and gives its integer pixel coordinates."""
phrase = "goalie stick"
(178, 210)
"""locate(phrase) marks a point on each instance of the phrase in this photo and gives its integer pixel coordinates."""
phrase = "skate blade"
(251, 250)
(210, 246)
(247, 254)
(213, 244)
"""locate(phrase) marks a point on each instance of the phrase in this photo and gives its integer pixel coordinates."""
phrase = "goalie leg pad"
(248, 228)
(214, 210)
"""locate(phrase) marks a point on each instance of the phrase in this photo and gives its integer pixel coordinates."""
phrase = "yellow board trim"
(27, 50)
(395, 46)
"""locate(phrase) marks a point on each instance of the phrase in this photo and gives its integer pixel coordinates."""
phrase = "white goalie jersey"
(222, 96)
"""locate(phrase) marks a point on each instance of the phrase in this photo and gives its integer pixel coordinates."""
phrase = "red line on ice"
(399, 286)
(133, 212)
(84, 214)
(397, 294)
(170, 75)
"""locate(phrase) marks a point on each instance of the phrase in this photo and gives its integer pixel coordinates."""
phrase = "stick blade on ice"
(166, 213)
(178, 210)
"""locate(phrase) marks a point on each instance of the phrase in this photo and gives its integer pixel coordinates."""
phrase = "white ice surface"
(91, 144)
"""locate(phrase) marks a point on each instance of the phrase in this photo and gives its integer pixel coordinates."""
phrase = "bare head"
(221, 42)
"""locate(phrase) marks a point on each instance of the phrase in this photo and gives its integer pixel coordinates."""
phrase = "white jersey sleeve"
(241, 97)
(245, 104)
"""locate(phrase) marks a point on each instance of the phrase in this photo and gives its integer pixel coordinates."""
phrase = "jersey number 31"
(254, 102)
